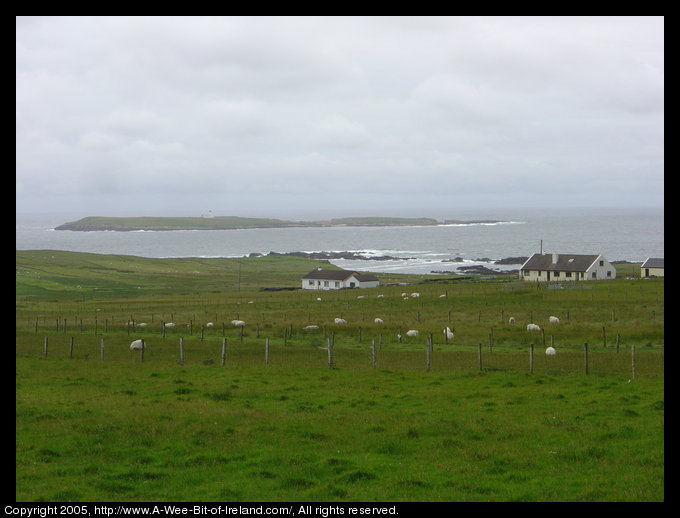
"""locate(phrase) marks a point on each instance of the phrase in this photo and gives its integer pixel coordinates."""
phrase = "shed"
(652, 267)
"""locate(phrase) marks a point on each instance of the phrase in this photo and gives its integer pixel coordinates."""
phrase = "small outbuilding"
(320, 279)
(566, 267)
(652, 267)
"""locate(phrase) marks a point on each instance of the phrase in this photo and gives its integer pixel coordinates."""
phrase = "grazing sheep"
(415, 294)
(137, 345)
(238, 323)
(209, 324)
(340, 321)
(169, 325)
(553, 320)
(381, 296)
(361, 296)
(143, 324)
(550, 351)
(378, 320)
(310, 328)
(533, 327)
(511, 321)
(412, 332)
(318, 299)
(448, 333)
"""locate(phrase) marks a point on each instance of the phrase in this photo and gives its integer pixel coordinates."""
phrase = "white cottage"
(566, 267)
(319, 279)
(652, 267)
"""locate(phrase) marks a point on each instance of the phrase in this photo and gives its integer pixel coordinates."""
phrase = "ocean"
(619, 234)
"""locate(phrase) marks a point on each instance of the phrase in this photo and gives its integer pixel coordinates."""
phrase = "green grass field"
(287, 427)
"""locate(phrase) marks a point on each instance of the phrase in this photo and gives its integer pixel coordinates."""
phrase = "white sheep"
(137, 345)
(378, 320)
(415, 294)
(169, 325)
(340, 321)
(238, 323)
(448, 333)
(209, 324)
(381, 296)
(412, 332)
(550, 351)
(310, 328)
(318, 299)
(142, 324)
(553, 320)
(533, 327)
(511, 321)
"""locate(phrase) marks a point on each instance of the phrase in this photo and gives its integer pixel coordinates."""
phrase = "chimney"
(554, 258)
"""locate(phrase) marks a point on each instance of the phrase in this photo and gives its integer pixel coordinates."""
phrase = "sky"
(267, 116)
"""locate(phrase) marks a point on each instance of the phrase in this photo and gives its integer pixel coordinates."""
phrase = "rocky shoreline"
(469, 269)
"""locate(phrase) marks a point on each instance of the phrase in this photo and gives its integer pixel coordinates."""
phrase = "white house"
(652, 267)
(566, 267)
(319, 279)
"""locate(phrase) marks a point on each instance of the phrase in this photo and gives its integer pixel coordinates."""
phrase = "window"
(609, 273)
(527, 273)
(567, 274)
(594, 275)
(556, 274)
(325, 283)
(337, 284)
(311, 283)
(601, 263)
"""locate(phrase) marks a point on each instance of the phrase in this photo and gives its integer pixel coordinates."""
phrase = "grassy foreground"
(294, 429)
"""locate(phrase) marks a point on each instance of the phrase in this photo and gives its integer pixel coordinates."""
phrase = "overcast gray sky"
(362, 115)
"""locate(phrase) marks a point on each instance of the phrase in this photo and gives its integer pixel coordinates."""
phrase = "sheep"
(340, 321)
(511, 321)
(137, 345)
(377, 320)
(381, 296)
(209, 324)
(533, 327)
(142, 324)
(318, 299)
(550, 351)
(448, 333)
(361, 296)
(310, 328)
(412, 332)
(553, 320)
(415, 294)
(169, 325)
(238, 323)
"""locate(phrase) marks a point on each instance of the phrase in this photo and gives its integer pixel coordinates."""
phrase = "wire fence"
(631, 361)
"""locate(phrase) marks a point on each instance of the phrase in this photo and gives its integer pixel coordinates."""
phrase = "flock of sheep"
(137, 345)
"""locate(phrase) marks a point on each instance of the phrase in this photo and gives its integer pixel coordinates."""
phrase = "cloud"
(397, 110)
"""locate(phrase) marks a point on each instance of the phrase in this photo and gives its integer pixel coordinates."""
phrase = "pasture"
(477, 418)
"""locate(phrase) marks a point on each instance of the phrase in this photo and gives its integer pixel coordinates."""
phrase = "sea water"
(618, 234)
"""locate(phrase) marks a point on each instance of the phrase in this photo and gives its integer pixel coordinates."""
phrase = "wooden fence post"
(70, 349)
(45, 347)
(101, 349)
(266, 351)
(373, 353)
(224, 351)
(585, 358)
(531, 358)
(181, 350)
(632, 358)
(479, 356)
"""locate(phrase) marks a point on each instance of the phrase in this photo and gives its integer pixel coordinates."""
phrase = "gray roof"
(565, 262)
(653, 262)
(338, 275)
